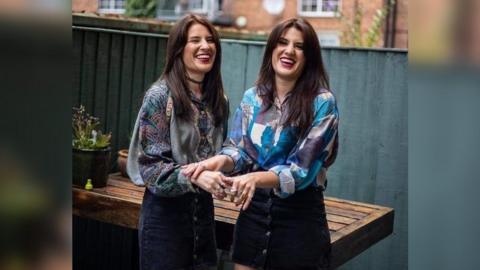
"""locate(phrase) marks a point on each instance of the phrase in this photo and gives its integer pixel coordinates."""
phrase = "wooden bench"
(354, 226)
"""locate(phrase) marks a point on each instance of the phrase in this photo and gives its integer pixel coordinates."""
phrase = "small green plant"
(86, 136)
(353, 35)
(141, 8)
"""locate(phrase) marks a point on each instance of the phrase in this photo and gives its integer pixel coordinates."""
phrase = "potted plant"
(122, 161)
(91, 150)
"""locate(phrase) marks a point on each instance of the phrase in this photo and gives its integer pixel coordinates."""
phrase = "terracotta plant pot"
(122, 162)
(90, 164)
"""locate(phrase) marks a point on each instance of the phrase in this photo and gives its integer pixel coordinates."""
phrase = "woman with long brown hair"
(283, 139)
(182, 120)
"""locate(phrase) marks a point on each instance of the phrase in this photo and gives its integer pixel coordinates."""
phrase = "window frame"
(202, 10)
(336, 33)
(328, 14)
(111, 8)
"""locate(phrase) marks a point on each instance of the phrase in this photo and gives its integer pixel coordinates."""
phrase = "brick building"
(261, 15)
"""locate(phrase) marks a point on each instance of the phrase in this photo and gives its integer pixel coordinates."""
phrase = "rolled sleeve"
(287, 182)
(240, 162)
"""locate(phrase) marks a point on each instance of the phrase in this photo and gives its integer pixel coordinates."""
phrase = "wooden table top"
(353, 226)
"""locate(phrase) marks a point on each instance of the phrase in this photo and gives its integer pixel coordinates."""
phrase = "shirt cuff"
(185, 182)
(235, 155)
(287, 182)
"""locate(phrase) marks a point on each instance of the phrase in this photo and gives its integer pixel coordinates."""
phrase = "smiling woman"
(199, 53)
(288, 58)
(284, 138)
(182, 120)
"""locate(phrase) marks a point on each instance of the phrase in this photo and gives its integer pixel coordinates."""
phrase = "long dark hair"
(312, 79)
(175, 72)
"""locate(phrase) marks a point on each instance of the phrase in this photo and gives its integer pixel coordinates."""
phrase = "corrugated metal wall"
(112, 70)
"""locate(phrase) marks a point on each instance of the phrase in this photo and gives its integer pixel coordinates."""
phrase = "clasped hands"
(240, 189)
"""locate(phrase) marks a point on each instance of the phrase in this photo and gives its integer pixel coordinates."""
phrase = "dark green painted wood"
(114, 87)
(138, 87)
(126, 83)
(101, 78)
(88, 70)
(150, 62)
(77, 46)
(371, 91)
(160, 57)
(254, 60)
(234, 64)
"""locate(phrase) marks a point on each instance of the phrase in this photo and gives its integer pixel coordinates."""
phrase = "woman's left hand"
(215, 163)
(243, 187)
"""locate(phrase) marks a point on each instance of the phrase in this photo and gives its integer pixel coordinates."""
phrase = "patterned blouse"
(157, 167)
(259, 142)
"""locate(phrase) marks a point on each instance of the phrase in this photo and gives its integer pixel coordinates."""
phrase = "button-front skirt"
(177, 233)
(281, 234)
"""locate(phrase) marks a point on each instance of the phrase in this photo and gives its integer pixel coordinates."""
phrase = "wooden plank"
(357, 237)
(77, 42)
(125, 92)
(225, 211)
(340, 219)
(222, 214)
(150, 63)
(226, 204)
(349, 206)
(233, 73)
(352, 231)
(344, 212)
(225, 220)
(114, 87)
(254, 61)
(348, 203)
(88, 70)
(160, 56)
(101, 79)
(106, 208)
(123, 184)
(334, 226)
(125, 193)
(137, 83)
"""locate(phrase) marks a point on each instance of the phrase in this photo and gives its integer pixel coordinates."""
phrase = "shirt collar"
(276, 100)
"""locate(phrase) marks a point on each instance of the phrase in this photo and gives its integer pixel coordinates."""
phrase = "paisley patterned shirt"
(158, 169)
(259, 142)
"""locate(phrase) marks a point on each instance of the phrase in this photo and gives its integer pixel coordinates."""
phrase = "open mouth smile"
(204, 57)
(287, 62)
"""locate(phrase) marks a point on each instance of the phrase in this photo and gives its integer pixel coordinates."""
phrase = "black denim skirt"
(177, 233)
(281, 234)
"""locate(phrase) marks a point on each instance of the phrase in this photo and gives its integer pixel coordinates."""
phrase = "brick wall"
(259, 19)
(401, 31)
(84, 5)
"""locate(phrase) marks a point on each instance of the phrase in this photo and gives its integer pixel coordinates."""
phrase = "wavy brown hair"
(175, 72)
(312, 79)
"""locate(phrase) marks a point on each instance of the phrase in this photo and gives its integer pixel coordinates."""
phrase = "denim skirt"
(281, 234)
(177, 233)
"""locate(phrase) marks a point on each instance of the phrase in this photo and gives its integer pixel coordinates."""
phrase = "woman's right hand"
(215, 163)
(212, 182)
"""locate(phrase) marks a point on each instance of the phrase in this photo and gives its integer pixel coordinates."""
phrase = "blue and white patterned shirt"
(259, 142)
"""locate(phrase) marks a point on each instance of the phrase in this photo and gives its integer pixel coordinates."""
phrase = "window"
(111, 6)
(329, 39)
(318, 8)
(173, 9)
(197, 5)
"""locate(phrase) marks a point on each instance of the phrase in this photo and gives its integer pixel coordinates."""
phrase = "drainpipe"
(391, 25)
